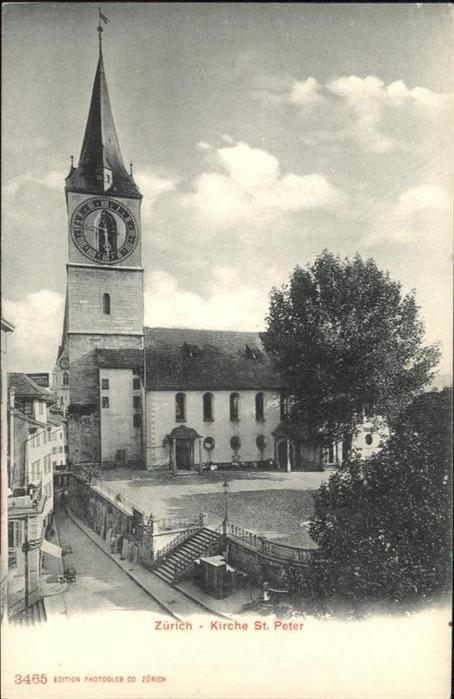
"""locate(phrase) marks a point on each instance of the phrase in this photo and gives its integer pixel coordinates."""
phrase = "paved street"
(100, 584)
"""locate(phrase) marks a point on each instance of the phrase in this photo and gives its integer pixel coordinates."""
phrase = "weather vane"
(101, 18)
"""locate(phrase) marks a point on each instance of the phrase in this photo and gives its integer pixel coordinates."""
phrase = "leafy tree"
(343, 337)
(383, 525)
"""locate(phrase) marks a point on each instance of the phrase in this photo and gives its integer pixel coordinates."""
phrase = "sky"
(261, 134)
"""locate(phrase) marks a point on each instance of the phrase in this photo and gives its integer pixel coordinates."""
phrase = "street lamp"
(225, 486)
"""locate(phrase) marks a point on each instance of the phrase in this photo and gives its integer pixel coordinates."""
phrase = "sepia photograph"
(226, 356)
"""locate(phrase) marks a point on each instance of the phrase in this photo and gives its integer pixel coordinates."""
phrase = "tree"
(383, 525)
(343, 337)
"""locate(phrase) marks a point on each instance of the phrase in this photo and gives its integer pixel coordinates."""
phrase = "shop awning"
(51, 549)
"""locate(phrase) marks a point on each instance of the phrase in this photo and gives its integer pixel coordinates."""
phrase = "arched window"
(65, 378)
(261, 442)
(106, 304)
(180, 407)
(234, 406)
(208, 415)
(259, 407)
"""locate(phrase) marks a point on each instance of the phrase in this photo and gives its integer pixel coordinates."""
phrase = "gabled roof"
(101, 148)
(25, 387)
(221, 360)
(184, 359)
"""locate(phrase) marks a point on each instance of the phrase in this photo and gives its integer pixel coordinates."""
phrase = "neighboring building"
(6, 329)
(151, 397)
(31, 492)
(59, 456)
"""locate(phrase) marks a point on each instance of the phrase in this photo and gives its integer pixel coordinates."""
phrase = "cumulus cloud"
(231, 305)
(152, 186)
(305, 93)
(38, 318)
(52, 180)
(250, 189)
(416, 199)
(378, 117)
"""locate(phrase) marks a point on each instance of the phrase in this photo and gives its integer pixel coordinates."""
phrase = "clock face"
(104, 230)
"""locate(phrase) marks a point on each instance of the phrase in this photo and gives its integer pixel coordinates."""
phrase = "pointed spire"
(101, 168)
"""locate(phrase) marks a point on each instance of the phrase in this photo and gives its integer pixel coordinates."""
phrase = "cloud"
(306, 93)
(251, 190)
(417, 199)
(38, 318)
(152, 186)
(53, 180)
(379, 118)
(231, 306)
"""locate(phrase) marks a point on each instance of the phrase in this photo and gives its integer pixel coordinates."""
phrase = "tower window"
(136, 402)
(137, 420)
(65, 378)
(208, 407)
(259, 407)
(234, 406)
(136, 384)
(106, 304)
(105, 384)
(105, 401)
(180, 407)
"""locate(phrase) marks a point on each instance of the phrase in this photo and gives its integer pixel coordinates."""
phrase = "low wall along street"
(142, 539)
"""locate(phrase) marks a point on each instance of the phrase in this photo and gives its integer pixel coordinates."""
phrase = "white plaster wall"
(117, 428)
(161, 421)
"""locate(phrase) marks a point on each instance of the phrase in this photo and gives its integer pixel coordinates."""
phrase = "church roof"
(187, 359)
(101, 148)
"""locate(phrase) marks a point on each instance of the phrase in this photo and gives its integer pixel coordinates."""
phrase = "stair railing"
(172, 545)
(182, 568)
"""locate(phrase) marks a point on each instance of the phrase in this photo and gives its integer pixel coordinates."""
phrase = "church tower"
(104, 300)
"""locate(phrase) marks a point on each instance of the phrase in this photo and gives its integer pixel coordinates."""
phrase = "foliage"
(343, 337)
(383, 525)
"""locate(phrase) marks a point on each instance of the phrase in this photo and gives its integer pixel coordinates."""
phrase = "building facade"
(6, 329)
(152, 397)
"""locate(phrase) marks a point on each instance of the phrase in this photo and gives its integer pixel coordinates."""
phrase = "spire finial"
(130, 169)
(101, 18)
(72, 160)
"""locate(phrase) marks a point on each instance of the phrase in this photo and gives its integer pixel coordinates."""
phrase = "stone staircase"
(178, 560)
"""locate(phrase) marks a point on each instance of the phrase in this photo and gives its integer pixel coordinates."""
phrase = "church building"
(149, 397)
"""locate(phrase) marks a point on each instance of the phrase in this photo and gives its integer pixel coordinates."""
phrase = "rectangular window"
(66, 448)
(137, 420)
(54, 450)
(136, 384)
(136, 372)
(28, 407)
(15, 534)
(60, 449)
(105, 402)
(136, 401)
(105, 384)
(54, 436)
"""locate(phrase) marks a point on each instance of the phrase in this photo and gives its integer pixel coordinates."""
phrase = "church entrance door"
(184, 453)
